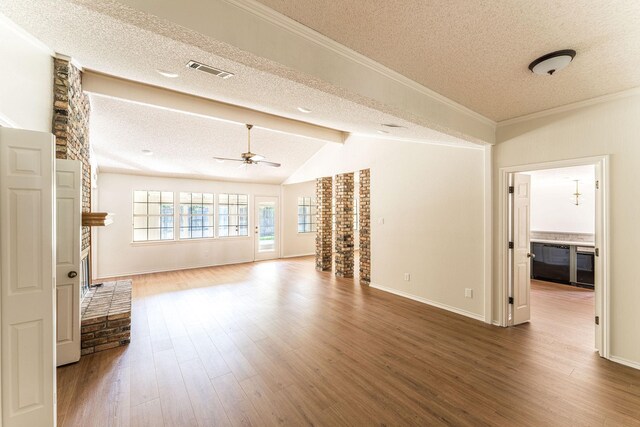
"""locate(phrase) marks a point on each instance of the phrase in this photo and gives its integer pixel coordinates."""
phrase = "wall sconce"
(576, 196)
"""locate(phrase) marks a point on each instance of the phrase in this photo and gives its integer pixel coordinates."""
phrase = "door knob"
(531, 255)
(72, 274)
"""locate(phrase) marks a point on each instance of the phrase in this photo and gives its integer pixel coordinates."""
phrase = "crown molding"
(275, 18)
(25, 35)
(572, 106)
(7, 122)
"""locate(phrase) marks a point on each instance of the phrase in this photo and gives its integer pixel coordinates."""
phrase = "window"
(152, 215)
(196, 215)
(233, 215)
(307, 210)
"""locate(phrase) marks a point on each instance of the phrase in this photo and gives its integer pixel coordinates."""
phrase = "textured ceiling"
(183, 144)
(108, 37)
(476, 52)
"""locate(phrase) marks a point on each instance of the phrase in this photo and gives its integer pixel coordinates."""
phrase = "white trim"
(625, 362)
(25, 35)
(70, 60)
(7, 122)
(503, 265)
(488, 234)
(429, 302)
(297, 255)
(152, 271)
(271, 16)
(568, 107)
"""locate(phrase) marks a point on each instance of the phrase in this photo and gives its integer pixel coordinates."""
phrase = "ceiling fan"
(249, 158)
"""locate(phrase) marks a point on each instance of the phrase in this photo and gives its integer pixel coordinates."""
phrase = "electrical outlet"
(468, 293)
(407, 277)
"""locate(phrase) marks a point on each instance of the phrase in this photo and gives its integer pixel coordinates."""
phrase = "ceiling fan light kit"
(249, 158)
(548, 64)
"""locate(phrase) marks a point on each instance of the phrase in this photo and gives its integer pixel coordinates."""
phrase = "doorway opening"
(553, 220)
(267, 245)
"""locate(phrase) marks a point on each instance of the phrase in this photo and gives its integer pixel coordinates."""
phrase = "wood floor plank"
(148, 414)
(176, 405)
(277, 342)
(204, 400)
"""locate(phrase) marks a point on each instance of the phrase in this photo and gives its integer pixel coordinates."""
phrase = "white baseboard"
(625, 362)
(299, 255)
(151, 271)
(429, 302)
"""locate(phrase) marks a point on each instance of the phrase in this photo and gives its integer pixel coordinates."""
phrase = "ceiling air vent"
(208, 69)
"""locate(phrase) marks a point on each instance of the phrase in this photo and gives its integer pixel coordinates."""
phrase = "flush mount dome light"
(552, 62)
(147, 152)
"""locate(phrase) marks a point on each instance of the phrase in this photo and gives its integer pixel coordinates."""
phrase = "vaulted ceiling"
(476, 52)
(472, 52)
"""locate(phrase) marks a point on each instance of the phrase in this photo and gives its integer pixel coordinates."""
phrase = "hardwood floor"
(276, 342)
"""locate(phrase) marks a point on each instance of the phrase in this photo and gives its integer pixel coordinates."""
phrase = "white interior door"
(68, 239)
(601, 303)
(521, 249)
(267, 228)
(27, 257)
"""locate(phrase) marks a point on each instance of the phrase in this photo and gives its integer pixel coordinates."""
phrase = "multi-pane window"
(152, 215)
(196, 215)
(233, 215)
(307, 210)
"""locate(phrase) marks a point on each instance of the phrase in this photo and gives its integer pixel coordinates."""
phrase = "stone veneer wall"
(71, 127)
(324, 223)
(344, 225)
(365, 226)
(106, 317)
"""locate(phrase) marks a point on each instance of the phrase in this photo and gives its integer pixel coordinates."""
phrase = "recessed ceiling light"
(548, 64)
(168, 74)
(304, 110)
(393, 125)
(147, 152)
(383, 132)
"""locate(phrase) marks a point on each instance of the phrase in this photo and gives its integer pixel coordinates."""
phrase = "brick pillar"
(344, 225)
(71, 127)
(365, 227)
(323, 223)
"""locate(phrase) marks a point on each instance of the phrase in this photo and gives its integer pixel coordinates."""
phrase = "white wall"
(26, 79)
(118, 256)
(552, 207)
(606, 128)
(294, 243)
(431, 198)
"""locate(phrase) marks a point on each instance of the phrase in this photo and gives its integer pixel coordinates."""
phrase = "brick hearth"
(106, 317)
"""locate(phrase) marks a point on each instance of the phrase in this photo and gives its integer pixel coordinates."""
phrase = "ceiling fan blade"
(264, 162)
(222, 159)
(257, 157)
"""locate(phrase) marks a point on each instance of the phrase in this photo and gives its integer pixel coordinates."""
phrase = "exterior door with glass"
(267, 227)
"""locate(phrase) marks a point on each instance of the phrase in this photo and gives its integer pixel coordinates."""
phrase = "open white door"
(267, 242)
(521, 249)
(68, 228)
(27, 257)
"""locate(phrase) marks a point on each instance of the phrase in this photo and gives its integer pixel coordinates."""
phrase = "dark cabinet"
(566, 264)
(584, 266)
(551, 263)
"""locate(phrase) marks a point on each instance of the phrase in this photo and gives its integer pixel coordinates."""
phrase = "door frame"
(278, 234)
(602, 276)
